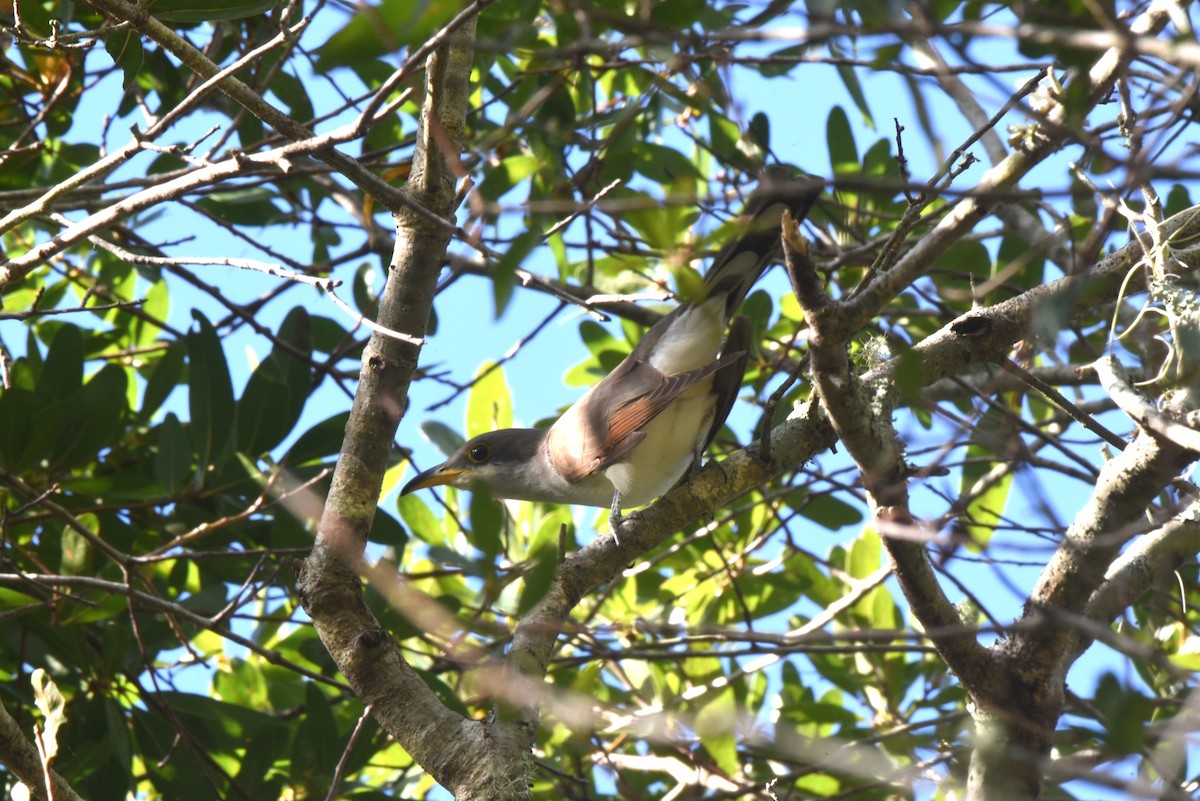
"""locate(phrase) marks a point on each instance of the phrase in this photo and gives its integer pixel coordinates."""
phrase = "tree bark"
(473, 759)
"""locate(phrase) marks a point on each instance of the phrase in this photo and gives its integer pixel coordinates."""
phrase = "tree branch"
(1051, 135)
(144, 23)
(22, 758)
(474, 759)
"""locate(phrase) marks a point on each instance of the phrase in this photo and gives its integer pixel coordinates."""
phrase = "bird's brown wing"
(607, 423)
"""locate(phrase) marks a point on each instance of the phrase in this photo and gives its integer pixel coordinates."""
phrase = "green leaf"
(278, 388)
(52, 705)
(18, 440)
(210, 398)
(830, 512)
(715, 726)
(759, 131)
(207, 10)
(849, 76)
(1188, 656)
(984, 513)
(156, 307)
(443, 436)
(843, 155)
(96, 412)
(726, 141)
(419, 519)
(35, 17)
(77, 556)
(387, 530)
(657, 223)
(242, 683)
(538, 577)
(125, 47)
(1016, 261)
(1178, 199)
(778, 67)
(489, 403)
(664, 165)
(507, 174)
(250, 206)
(445, 693)
(163, 379)
(291, 91)
(374, 31)
(62, 372)
(865, 556)
(504, 276)
(319, 443)
(991, 441)
(487, 521)
(173, 460)
(676, 14)
(316, 742)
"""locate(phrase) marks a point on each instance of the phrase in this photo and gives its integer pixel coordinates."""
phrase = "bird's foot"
(618, 521)
(615, 518)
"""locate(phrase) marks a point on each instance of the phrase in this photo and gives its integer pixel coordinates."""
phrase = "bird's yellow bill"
(431, 478)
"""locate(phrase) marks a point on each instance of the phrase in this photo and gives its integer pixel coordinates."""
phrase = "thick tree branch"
(470, 757)
(861, 415)
(1148, 562)
(1119, 386)
(22, 759)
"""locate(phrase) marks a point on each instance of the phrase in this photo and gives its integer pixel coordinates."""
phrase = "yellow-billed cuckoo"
(633, 435)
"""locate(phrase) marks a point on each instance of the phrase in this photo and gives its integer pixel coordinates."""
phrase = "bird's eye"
(479, 454)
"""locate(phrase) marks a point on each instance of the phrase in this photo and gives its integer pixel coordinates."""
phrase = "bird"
(633, 435)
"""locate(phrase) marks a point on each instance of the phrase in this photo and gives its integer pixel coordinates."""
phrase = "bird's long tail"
(740, 262)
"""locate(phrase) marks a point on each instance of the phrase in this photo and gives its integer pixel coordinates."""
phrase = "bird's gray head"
(498, 459)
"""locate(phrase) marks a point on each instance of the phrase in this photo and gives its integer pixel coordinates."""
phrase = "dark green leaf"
(504, 276)
(174, 460)
(830, 512)
(786, 60)
(726, 140)
(250, 206)
(125, 47)
(210, 398)
(207, 10)
(538, 575)
(445, 438)
(96, 413)
(849, 78)
(164, 378)
(278, 388)
(291, 91)
(843, 155)
(378, 30)
(1178, 199)
(62, 372)
(387, 529)
(664, 165)
(677, 14)
(18, 440)
(759, 131)
(487, 520)
(319, 443)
